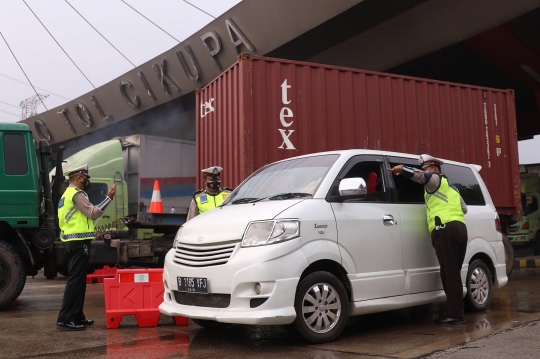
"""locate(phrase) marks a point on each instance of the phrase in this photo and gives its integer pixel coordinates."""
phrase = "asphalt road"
(509, 329)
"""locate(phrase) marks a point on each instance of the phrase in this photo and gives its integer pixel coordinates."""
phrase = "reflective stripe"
(439, 195)
(70, 213)
(77, 235)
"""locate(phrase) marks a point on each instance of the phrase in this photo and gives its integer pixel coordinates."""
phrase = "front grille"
(203, 300)
(514, 229)
(203, 255)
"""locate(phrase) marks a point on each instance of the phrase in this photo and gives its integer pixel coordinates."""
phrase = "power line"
(149, 20)
(9, 113)
(39, 88)
(199, 9)
(5, 103)
(59, 45)
(18, 63)
(100, 33)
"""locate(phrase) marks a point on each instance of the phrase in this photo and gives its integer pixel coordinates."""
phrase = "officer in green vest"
(445, 216)
(210, 197)
(76, 215)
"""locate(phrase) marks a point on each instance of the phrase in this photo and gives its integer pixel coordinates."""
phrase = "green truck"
(526, 233)
(29, 233)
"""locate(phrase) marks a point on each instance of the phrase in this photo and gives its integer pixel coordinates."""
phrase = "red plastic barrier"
(100, 274)
(136, 292)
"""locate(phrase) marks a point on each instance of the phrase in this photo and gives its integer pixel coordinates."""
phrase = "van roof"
(352, 152)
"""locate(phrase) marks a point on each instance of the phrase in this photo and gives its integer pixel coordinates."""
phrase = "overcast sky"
(49, 68)
(52, 72)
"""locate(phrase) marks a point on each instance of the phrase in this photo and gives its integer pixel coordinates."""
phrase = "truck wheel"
(509, 256)
(479, 287)
(322, 308)
(211, 324)
(12, 274)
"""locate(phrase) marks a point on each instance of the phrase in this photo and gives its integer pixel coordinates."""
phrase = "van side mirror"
(352, 187)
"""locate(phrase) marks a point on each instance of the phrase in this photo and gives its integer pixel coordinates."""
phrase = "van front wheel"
(322, 307)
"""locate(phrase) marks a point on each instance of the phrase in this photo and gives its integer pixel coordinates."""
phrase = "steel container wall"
(249, 116)
(170, 161)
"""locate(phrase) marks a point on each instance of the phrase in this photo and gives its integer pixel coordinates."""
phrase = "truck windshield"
(297, 178)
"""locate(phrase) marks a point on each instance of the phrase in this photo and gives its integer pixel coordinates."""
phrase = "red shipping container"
(262, 110)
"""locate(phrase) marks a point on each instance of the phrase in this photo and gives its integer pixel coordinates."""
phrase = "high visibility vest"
(74, 224)
(206, 202)
(444, 203)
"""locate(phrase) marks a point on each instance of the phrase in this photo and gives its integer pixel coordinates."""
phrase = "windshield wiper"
(284, 196)
(243, 200)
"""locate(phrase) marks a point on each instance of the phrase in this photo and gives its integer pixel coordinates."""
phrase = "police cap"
(82, 170)
(212, 171)
(427, 160)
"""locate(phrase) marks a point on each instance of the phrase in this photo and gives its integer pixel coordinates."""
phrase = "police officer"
(210, 197)
(75, 215)
(446, 222)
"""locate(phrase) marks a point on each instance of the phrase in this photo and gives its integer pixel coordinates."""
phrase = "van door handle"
(106, 216)
(388, 220)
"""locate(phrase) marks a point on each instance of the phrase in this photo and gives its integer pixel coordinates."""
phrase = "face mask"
(213, 185)
(86, 184)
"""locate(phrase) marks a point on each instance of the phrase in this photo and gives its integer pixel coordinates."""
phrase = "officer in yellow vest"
(210, 197)
(445, 215)
(75, 216)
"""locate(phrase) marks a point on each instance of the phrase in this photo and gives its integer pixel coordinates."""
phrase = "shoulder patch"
(195, 195)
(204, 199)
(61, 202)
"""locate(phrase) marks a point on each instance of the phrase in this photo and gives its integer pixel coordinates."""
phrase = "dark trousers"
(450, 245)
(73, 302)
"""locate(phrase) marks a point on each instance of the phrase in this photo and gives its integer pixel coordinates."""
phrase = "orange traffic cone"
(156, 206)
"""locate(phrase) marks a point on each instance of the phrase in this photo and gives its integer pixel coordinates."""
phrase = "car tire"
(211, 324)
(509, 255)
(324, 320)
(479, 287)
(12, 274)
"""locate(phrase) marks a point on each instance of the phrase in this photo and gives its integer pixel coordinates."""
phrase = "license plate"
(192, 285)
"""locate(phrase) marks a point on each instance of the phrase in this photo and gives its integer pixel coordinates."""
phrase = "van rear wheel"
(322, 307)
(12, 274)
(479, 287)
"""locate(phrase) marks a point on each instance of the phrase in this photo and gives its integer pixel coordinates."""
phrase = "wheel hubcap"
(479, 286)
(321, 308)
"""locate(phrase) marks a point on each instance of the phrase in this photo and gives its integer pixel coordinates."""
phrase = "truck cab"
(27, 219)
(527, 231)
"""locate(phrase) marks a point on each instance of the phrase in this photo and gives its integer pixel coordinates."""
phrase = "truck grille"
(514, 229)
(203, 255)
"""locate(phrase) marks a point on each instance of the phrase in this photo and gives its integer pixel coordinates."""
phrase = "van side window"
(407, 191)
(371, 173)
(15, 159)
(465, 181)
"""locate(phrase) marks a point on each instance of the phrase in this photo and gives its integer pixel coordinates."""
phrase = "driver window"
(371, 173)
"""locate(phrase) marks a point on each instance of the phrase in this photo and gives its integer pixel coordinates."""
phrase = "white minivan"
(310, 240)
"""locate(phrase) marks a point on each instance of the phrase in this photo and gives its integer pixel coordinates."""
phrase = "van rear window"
(465, 181)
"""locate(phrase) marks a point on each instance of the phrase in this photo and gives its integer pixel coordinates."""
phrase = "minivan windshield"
(296, 178)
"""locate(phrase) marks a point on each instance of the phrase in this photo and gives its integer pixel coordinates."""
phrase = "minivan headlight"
(261, 233)
(177, 237)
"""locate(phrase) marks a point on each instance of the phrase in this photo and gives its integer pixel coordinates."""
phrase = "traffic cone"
(156, 206)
